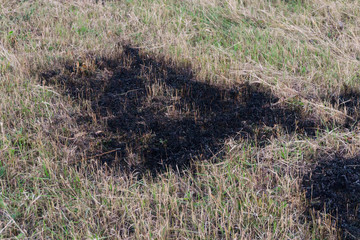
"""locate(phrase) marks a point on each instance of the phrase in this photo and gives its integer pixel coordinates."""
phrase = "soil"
(158, 116)
(334, 185)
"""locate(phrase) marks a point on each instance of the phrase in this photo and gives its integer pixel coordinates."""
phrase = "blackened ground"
(334, 185)
(349, 99)
(158, 116)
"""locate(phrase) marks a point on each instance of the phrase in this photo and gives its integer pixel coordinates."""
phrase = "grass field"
(165, 119)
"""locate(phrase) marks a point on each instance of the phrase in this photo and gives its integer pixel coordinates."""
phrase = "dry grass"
(304, 51)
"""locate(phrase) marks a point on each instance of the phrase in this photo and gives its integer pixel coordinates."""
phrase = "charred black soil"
(349, 100)
(334, 185)
(157, 115)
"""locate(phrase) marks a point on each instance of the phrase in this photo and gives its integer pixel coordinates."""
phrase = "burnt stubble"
(334, 185)
(157, 115)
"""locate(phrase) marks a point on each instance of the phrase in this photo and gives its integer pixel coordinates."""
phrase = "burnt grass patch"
(156, 115)
(334, 186)
(349, 100)
(149, 114)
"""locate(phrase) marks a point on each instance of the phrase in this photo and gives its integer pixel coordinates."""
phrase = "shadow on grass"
(334, 185)
(158, 116)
